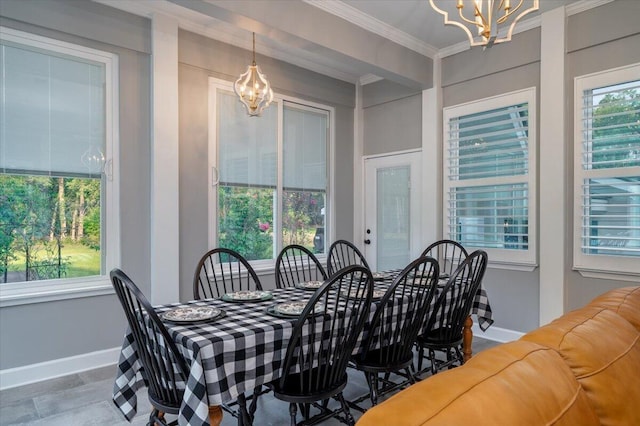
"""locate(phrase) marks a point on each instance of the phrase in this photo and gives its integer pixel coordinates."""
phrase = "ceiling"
(311, 33)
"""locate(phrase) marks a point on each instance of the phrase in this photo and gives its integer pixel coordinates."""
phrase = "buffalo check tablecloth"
(231, 355)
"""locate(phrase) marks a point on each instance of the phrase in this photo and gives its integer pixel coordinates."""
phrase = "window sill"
(14, 294)
(512, 266)
(608, 275)
(268, 267)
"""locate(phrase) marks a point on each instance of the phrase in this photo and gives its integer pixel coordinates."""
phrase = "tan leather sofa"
(581, 369)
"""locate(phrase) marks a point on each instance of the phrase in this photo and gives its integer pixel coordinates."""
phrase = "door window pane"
(393, 217)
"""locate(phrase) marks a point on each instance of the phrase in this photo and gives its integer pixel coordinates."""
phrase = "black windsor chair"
(389, 341)
(343, 253)
(444, 326)
(449, 255)
(296, 264)
(164, 369)
(222, 271)
(314, 368)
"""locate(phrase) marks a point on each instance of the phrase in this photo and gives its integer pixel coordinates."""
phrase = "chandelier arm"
(469, 20)
(485, 24)
(511, 11)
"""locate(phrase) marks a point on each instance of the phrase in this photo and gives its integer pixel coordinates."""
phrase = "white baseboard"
(19, 376)
(496, 334)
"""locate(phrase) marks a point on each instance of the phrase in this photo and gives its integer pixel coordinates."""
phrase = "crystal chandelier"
(253, 89)
(487, 17)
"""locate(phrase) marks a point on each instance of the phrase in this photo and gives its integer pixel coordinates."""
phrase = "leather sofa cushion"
(518, 383)
(624, 301)
(603, 351)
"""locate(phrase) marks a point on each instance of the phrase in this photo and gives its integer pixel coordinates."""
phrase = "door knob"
(367, 241)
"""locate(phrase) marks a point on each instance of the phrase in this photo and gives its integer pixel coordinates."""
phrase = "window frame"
(594, 265)
(523, 260)
(266, 266)
(27, 292)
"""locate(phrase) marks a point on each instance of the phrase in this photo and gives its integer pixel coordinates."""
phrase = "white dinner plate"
(310, 285)
(247, 296)
(294, 309)
(192, 314)
(377, 294)
(379, 276)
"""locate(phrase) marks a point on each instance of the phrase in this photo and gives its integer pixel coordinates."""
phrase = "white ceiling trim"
(584, 5)
(226, 33)
(369, 78)
(281, 53)
(369, 23)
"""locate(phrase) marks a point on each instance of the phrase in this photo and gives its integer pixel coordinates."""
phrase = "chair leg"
(325, 404)
(345, 408)
(373, 388)
(305, 409)
(459, 355)
(432, 355)
(254, 401)
(156, 418)
(244, 418)
(412, 379)
(293, 410)
(420, 356)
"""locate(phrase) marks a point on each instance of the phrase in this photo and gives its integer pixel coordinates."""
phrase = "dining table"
(238, 351)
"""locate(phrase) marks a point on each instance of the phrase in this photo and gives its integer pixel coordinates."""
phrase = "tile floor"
(84, 399)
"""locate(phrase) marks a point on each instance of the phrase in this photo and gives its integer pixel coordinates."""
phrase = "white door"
(392, 210)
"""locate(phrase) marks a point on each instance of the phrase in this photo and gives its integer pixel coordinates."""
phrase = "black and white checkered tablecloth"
(231, 355)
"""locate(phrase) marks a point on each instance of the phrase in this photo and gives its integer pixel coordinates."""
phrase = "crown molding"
(369, 23)
(584, 5)
(369, 78)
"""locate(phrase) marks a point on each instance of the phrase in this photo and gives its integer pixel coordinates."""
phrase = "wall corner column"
(358, 169)
(432, 159)
(165, 266)
(553, 179)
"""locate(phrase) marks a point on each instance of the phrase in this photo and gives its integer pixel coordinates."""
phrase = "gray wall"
(51, 330)
(477, 74)
(200, 58)
(393, 126)
(591, 51)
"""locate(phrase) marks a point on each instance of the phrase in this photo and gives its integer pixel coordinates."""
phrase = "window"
(489, 177)
(607, 171)
(58, 227)
(272, 175)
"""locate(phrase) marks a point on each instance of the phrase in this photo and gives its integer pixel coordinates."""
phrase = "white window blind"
(58, 131)
(489, 186)
(53, 111)
(247, 145)
(607, 171)
(305, 148)
(272, 181)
